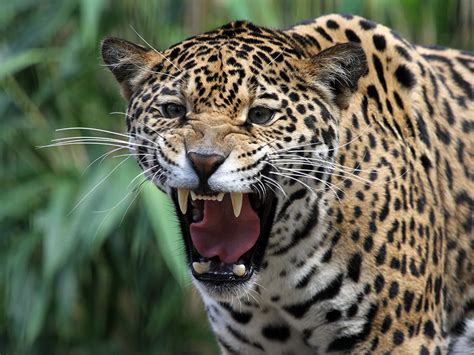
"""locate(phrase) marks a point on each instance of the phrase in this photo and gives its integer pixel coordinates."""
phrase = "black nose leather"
(205, 165)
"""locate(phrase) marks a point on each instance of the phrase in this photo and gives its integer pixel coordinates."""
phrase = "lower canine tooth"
(236, 198)
(201, 268)
(239, 269)
(183, 200)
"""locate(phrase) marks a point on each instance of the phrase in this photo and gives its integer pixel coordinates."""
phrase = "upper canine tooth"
(220, 196)
(201, 267)
(239, 269)
(183, 199)
(236, 198)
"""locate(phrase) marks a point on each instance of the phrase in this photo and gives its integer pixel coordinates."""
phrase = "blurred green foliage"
(107, 275)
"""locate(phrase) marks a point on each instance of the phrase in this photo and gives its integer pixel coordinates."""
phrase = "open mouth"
(225, 234)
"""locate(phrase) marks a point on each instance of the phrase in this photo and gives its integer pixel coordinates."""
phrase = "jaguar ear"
(128, 62)
(339, 68)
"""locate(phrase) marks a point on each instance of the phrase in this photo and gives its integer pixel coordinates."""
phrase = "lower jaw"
(221, 280)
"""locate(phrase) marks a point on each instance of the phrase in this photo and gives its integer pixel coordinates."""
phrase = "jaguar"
(322, 176)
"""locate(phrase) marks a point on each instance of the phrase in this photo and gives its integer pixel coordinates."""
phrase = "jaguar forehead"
(227, 64)
(225, 86)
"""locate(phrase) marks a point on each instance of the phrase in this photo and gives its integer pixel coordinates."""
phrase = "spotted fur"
(371, 249)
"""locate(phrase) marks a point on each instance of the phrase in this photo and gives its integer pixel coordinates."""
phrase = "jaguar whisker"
(85, 143)
(350, 175)
(142, 173)
(94, 140)
(92, 129)
(102, 157)
(273, 182)
(140, 188)
(291, 177)
(318, 163)
(132, 155)
(127, 135)
(121, 200)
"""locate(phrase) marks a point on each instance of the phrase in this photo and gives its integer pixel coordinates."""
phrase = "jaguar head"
(220, 122)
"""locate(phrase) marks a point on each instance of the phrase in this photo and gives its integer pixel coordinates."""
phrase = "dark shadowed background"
(90, 259)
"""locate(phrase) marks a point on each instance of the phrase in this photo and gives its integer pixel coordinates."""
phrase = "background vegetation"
(107, 276)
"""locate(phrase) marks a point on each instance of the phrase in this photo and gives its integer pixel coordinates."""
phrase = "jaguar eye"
(173, 110)
(260, 115)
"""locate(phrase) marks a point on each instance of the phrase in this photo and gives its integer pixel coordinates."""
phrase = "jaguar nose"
(205, 165)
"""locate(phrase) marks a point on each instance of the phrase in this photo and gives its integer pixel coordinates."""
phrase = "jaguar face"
(227, 126)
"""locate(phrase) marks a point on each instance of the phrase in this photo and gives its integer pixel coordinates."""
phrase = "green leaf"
(22, 198)
(165, 224)
(90, 17)
(25, 59)
(57, 238)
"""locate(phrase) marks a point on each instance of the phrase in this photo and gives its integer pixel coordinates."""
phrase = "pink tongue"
(221, 234)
